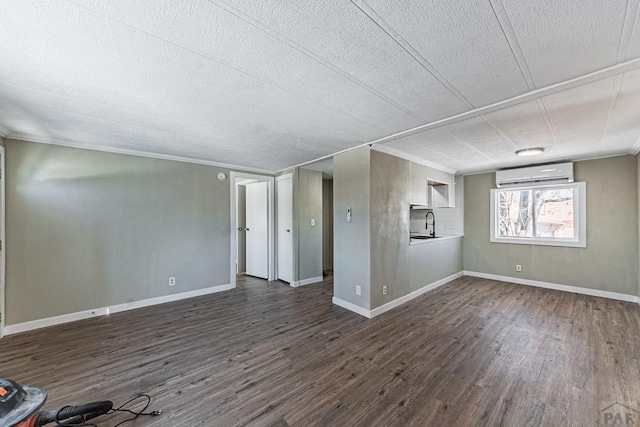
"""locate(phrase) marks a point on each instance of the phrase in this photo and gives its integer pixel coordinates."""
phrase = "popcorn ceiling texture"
(270, 84)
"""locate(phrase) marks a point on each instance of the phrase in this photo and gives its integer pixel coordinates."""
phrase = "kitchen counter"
(432, 240)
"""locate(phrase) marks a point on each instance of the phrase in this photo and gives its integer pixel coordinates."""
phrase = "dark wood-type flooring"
(474, 352)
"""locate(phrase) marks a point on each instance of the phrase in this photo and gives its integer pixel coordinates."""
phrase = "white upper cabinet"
(431, 187)
(418, 184)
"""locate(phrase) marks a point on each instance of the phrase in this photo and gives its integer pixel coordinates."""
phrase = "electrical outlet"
(358, 290)
(384, 290)
(313, 222)
(172, 281)
(518, 268)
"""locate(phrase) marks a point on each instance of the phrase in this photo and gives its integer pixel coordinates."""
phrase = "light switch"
(348, 214)
(313, 222)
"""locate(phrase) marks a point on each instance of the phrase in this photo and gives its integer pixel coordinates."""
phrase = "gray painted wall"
(390, 194)
(308, 206)
(394, 263)
(434, 261)
(373, 251)
(327, 224)
(242, 222)
(351, 241)
(610, 260)
(87, 229)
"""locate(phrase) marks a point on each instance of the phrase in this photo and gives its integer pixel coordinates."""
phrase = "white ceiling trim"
(528, 96)
(140, 153)
(384, 26)
(4, 132)
(415, 159)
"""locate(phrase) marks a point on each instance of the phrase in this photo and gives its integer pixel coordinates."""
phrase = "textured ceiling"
(270, 84)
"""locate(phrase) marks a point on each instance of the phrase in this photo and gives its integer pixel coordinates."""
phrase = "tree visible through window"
(540, 213)
(547, 213)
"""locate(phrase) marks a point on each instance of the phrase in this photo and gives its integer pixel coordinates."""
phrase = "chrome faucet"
(433, 224)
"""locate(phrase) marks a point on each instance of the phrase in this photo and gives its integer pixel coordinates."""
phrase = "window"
(540, 215)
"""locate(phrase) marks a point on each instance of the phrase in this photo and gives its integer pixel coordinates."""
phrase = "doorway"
(252, 226)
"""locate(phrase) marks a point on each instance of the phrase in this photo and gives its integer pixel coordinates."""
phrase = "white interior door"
(257, 229)
(241, 235)
(285, 229)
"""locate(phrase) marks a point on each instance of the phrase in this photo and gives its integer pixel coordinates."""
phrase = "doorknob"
(240, 228)
(288, 231)
(246, 229)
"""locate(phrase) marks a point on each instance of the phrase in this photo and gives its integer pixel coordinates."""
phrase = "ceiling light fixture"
(530, 151)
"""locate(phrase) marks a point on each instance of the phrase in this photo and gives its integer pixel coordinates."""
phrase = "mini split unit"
(544, 174)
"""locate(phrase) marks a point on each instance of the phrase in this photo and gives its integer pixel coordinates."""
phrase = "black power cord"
(70, 416)
(135, 414)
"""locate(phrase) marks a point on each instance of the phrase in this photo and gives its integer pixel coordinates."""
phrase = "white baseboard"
(399, 301)
(305, 282)
(104, 311)
(169, 298)
(352, 307)
(56, 320)
(556, 286)
(396, 302)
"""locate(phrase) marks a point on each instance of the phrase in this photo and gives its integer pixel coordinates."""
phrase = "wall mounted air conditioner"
(545, 174)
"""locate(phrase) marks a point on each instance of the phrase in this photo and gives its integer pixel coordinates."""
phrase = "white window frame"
(579, 217)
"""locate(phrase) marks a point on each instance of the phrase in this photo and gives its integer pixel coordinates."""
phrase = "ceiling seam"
(633, 31)
(542, 109)
(224, 64)
(628, 28)
(310, 54)
(509, 33)
(413, 52)
(498, 131)
(407, 156)
(613, 102)
(470, 146)
(594, 76)
(624, 44)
